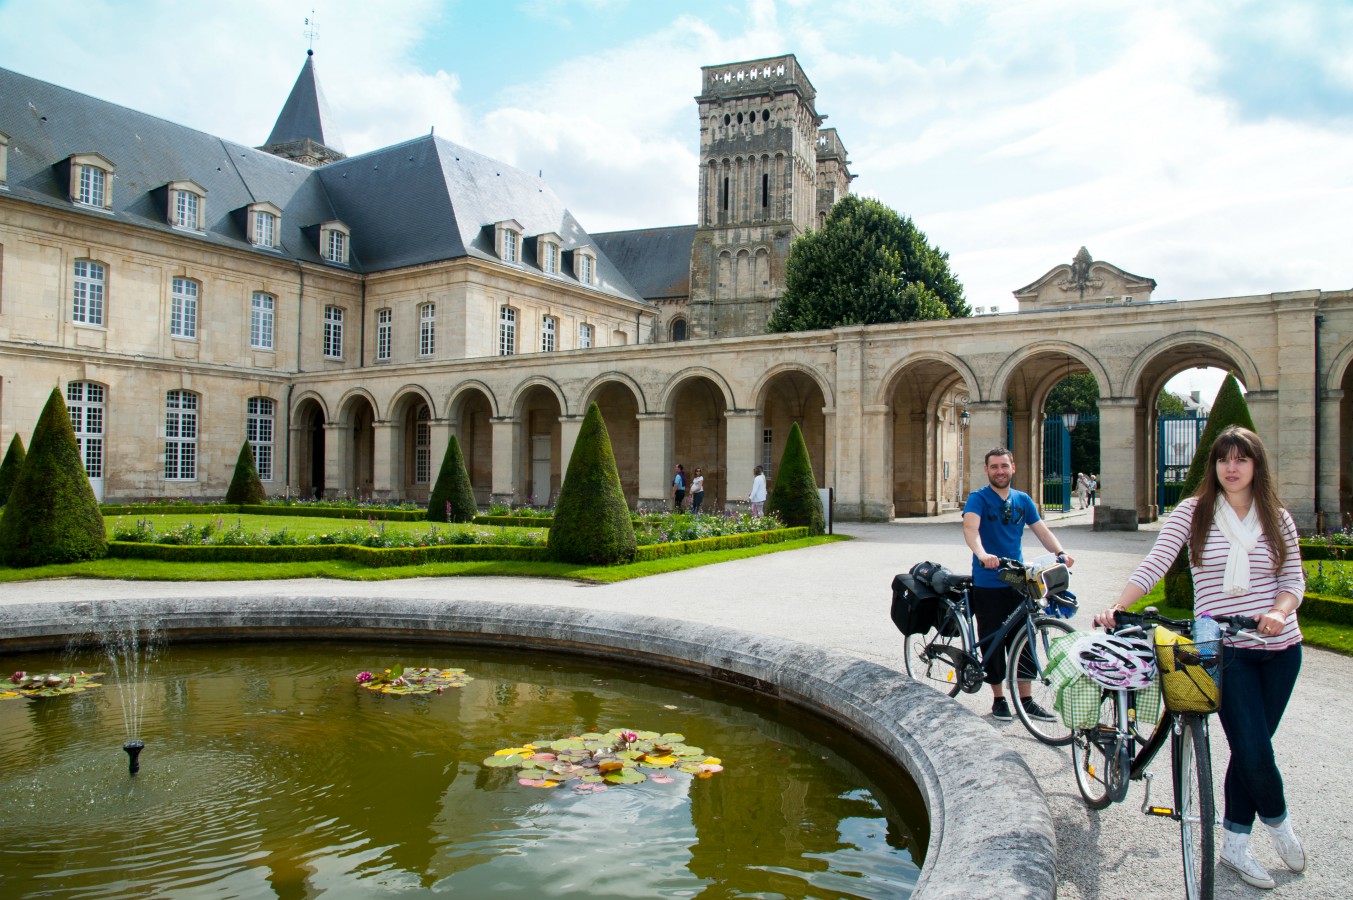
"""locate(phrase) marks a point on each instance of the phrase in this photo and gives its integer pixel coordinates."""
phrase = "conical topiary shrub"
(1229, 408)
(9, 469)
(591, 519)
(794, 498)
(452, 498)
(52, 515)
(245, 485)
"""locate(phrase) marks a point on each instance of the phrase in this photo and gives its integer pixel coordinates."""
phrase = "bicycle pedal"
(1162, 811)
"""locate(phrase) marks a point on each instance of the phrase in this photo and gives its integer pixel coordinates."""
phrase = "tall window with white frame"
(586, 272)
(422, 447)
(551, 258)
(87, 306)
(261, 312)
(427, 329)
(548, 327)
(85, 401)
(509, 245)
(183, 308)
(180, 436)
(584, 337)
(93, 183)
(507, 331)
(384, 333)
(337, 250)
(261, 413)
(766, 452)
(333, 332)
(185, 209)
(265, 229)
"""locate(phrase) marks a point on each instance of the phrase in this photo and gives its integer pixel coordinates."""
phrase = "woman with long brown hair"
(1245, 561)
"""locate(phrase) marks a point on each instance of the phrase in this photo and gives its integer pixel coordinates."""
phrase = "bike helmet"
(1116, 662)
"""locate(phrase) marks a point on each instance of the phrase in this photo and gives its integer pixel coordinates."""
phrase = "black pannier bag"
(916, 598)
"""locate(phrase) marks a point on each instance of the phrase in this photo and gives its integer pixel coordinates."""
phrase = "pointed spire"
(300, 130)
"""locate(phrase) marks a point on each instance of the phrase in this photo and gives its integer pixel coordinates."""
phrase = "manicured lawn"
(300, 526)
(154, 570)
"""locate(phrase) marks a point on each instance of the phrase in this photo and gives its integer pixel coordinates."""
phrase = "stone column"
(873, 484)
(1289, 431)
(336, 439)
(569, 426)
(985, 432)
(744, 432)
(387, 471)
(1327, 514)
(1118, 472)
(505, 469)
(655, 461)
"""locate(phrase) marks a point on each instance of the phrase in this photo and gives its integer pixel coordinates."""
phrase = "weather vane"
(311, 31)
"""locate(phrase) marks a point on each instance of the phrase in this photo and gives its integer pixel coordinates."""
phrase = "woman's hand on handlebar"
(1108, 618)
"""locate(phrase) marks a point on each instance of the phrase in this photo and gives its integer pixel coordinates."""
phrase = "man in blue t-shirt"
(993, 525)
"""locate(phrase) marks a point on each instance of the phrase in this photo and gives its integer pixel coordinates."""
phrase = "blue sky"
(1205, 144)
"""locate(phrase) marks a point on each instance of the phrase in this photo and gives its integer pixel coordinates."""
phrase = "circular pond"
(269, 771)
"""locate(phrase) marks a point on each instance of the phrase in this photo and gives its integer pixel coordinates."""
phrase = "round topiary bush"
(245, 485)
(794, 498)
(591, 519)
(9, 469)
(1229, 408)
(452, 498)
(52, 515)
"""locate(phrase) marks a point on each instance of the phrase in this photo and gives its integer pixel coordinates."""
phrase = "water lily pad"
(626, 776)
(419, 680)
(671, 738)
(567, 744)
(661, 779)
(511, 761)
(658, 762)
(57, 684)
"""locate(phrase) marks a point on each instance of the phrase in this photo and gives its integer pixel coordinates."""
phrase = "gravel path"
(838, 595)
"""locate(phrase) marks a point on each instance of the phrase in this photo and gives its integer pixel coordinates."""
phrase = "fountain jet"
(133, 749)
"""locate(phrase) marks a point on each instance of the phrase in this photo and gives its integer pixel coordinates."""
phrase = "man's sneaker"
(1000, 710)
(1288, 847)
(1034, 711)
(1235, 854)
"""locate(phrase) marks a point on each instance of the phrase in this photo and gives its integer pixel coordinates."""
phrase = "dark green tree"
(452, 498)
(1080, 393)
(868, 264)
(794, 498)
(591, 519)
(9, 469)
(52, 515)
(1229, 408)
(245, 485)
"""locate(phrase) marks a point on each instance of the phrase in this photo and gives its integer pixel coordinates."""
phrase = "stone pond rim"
(991, 832)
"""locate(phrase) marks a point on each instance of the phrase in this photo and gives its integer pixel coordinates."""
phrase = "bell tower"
(759, 146)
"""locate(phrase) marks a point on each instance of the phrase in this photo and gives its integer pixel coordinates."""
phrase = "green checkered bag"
(1079, 697)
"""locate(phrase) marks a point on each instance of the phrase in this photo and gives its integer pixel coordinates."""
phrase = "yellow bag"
(1190, 673)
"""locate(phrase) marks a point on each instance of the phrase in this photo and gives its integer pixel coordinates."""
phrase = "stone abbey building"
(346, 315)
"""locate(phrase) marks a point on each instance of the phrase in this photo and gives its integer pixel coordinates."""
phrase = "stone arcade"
(348, 314)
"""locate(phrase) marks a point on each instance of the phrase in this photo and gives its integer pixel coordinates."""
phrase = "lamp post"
(964, 420)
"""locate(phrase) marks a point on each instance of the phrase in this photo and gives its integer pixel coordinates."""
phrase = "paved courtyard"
(838, 596)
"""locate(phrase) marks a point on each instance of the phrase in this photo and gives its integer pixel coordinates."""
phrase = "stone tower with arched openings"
(765, 166)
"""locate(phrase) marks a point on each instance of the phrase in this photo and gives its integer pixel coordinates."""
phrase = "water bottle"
(1206, 638)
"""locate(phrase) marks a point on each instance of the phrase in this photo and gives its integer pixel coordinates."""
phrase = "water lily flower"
(18, 677)
(364, 677)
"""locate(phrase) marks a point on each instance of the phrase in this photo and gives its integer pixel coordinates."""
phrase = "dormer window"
(91, 177)
(333, 242)
(507, 241)
(549, 251)
(585, 265)
(4, 160)
(187, 205)
(263, 222)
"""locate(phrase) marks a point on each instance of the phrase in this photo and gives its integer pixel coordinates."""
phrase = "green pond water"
(269, 773)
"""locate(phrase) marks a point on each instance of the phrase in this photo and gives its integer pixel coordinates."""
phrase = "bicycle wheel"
(936, 657)
(1194, 805)
(1092, 755)
(1032, 666)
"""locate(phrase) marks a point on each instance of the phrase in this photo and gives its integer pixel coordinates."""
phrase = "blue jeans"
(1256, 686)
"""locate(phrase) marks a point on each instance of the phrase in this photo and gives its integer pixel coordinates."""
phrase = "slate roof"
(47, 124)
(657, 261)
(305, 112)
(422, 201)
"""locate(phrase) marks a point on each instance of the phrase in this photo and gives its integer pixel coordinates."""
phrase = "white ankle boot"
(1286, 843)
(1235, 852)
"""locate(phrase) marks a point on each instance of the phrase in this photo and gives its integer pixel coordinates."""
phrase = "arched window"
(678, 329)
(180, 436)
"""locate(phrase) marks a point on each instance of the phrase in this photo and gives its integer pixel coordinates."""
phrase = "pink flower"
(18, 677)
(364, 677)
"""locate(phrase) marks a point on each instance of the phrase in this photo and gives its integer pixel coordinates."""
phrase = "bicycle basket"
(1190, 672)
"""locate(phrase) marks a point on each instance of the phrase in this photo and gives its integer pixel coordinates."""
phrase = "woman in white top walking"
(758, 494)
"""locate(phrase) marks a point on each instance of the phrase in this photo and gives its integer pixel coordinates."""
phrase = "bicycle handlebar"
(1231, 625)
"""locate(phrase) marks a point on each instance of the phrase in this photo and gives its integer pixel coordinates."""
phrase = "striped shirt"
(1209, 597)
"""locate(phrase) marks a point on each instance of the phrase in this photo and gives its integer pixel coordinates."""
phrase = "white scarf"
(1243, 536)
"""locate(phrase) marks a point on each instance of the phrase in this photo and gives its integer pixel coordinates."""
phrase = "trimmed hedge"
(245, 486)
(312, 512)
(1311, 552)
(591, 518)
(794, 498)
(648, 552)
(452, 496)
(516, 521)
(375, 557)
(1327, 608)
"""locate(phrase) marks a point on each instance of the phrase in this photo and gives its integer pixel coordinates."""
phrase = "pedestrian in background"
(758, 494)
(697, 491)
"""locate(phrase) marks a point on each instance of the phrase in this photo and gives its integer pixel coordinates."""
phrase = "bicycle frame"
(1024, 614)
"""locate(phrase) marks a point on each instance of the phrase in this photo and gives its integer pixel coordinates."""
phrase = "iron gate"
(1176, 441)
(1058, 479)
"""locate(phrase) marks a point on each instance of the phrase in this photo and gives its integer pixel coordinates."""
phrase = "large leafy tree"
(868, 264)
(1080, 393)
